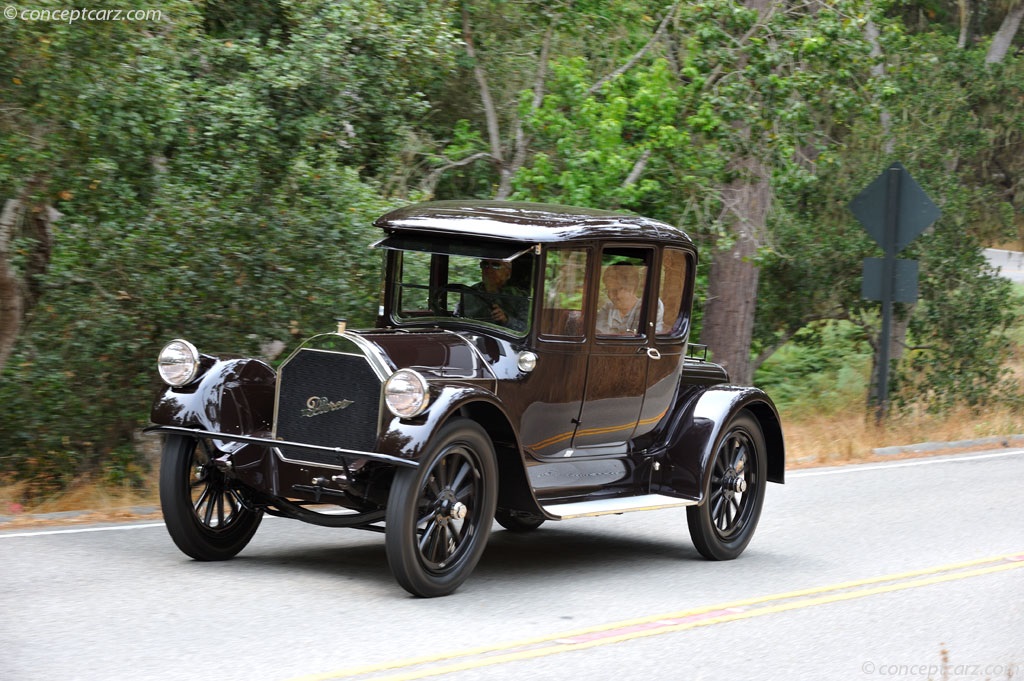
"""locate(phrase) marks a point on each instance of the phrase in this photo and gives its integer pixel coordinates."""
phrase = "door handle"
(653, 353)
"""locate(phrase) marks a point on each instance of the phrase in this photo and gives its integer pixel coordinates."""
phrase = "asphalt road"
(1010, 263)
(875, 571)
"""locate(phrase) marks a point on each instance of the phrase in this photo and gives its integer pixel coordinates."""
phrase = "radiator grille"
(314, 388)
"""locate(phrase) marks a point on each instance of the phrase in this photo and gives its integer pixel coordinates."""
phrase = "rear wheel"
(439, 514)
(204, 511)
(723, 524)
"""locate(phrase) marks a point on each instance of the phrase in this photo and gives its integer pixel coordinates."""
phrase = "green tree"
(721, 109)
(482, 141)
(215, 173)
(87, 109)
(946, 115)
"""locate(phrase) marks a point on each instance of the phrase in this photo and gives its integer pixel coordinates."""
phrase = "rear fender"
(234, 396)
(702, 426)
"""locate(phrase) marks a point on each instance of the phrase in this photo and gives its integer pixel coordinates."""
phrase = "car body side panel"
(663, 383)
(614, 394)
(548, 399)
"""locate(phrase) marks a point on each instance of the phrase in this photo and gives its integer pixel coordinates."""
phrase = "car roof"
(525, 222)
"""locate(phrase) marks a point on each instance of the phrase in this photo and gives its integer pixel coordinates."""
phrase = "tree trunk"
(728, 327)
(900, 322)
(11, 302)
(878, 71)
(19, 291)
(964, 7)
(1004, 36)
(522, 141)
(506, 169)
(490, 111)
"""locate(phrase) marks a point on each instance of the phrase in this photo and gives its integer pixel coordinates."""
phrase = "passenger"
(620, 315)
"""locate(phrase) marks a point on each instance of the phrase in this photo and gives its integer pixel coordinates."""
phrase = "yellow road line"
(627, 630)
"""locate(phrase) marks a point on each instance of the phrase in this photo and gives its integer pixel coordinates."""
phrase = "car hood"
(440, 354)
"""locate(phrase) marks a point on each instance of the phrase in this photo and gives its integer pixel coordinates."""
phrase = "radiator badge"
(321, 405)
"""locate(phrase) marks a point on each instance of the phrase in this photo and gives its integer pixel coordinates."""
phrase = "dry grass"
(103, 502)
(840, 439)
(1012, 245)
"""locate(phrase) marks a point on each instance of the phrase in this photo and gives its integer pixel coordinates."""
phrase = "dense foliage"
(213, 173)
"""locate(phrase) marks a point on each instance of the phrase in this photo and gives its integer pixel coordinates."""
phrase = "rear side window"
(565, 279)
(675, 277)
(621, 310)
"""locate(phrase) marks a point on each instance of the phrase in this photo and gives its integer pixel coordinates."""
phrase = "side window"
(565, 277)
(488, 293)
(620, 310)
(412, 296)
(675, 268)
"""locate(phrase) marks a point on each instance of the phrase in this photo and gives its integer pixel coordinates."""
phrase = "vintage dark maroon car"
(529, 363)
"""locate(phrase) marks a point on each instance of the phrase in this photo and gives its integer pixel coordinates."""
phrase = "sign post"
(894, 211)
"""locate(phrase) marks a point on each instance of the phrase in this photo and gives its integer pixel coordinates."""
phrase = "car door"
(620, 351)
(667, 343)
(550, 397)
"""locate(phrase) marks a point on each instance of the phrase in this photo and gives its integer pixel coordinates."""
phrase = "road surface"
(911, 570)
(1010, 263)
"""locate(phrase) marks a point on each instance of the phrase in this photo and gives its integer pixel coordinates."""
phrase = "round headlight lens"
(406, 393)
(527, 361)
(178, 363)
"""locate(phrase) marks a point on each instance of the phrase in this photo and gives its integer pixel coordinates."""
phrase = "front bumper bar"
(269, 442)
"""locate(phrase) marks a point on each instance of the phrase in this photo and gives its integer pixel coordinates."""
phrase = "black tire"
(439, 514)
(203, 511)
(518, 522)
(723, 524)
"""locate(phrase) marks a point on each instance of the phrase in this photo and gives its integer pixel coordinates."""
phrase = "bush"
(825, 369)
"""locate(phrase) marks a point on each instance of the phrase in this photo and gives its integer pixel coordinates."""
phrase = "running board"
(647, 502)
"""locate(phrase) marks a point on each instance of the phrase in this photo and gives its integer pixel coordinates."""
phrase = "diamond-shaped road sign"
(916, 210)
(904, 284)
(894, 210)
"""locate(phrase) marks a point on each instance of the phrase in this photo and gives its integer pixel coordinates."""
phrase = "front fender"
(233, 396)
(702, 426)
(410, 438)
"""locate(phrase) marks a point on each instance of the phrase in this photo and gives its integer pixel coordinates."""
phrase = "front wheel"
(204, 512)
(723, 524)
(439, 514)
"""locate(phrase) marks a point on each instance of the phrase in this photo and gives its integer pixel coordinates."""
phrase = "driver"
(492, 299)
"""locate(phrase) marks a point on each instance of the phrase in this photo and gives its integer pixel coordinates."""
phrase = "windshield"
(439, 288)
